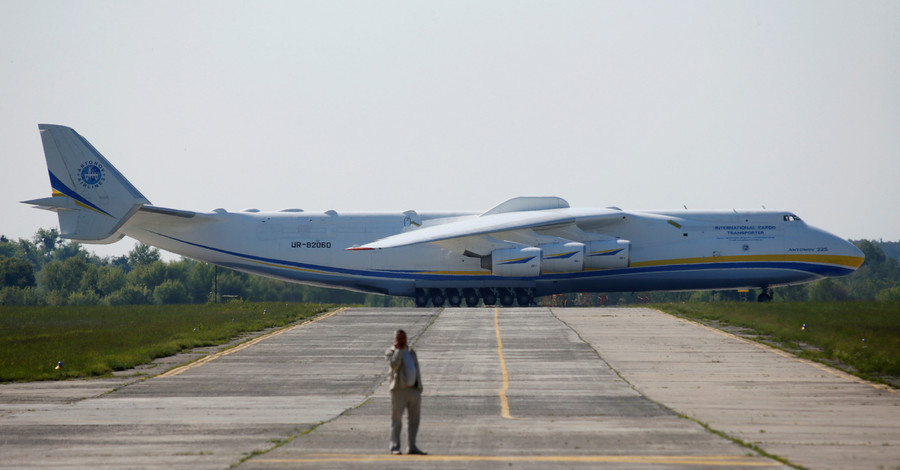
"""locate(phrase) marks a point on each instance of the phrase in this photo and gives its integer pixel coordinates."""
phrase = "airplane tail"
(92, 199)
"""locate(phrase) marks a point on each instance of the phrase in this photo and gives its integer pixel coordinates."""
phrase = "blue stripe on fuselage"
(813, 268)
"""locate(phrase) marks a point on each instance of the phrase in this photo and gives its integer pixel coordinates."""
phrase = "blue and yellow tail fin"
(92, 199)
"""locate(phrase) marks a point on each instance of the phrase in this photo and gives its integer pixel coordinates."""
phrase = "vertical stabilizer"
(93, 200)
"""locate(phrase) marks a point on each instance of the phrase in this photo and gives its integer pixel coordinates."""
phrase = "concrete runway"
(518, 388)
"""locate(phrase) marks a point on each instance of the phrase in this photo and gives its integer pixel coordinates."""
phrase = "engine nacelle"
(562, 257)
(516, 262)
(601, 254)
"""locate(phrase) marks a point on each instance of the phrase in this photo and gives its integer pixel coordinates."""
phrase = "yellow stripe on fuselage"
(284, 266)
(849, 261)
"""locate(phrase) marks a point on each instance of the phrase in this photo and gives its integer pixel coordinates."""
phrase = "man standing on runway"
(406, 392)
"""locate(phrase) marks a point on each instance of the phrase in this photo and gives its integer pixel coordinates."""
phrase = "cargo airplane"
(520, 249)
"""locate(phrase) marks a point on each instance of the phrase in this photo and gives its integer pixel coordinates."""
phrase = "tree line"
(48, 270)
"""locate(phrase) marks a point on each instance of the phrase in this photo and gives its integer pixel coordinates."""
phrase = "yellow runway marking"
(504, 403)
(709, 460)
(242, 346)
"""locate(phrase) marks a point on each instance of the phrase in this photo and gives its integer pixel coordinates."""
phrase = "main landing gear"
(490, 296)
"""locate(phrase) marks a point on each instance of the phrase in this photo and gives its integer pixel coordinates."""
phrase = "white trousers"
(408, 399)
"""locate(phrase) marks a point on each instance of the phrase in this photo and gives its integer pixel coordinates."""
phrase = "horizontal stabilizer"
(53, 203)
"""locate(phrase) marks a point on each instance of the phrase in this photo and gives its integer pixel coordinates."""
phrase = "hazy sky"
(461, 105)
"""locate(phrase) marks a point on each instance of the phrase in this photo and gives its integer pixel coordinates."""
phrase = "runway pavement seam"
(306, 431)
(705, 426)
(760, 451)
(412, 342)
(599, 356)
(772, 349)
(284, 441)
(345, 412)
(433, 319)
(246, 344)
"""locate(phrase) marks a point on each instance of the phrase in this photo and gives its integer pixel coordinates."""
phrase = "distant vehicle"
(518, 250)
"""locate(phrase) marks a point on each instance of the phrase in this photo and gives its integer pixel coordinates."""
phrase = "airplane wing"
(501, 225)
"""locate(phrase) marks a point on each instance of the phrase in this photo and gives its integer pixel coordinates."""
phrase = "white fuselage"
(679, 250)
(524, 247)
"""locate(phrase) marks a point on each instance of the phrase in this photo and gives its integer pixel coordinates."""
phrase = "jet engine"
(562, 257)
(515, 262)
(604, 254)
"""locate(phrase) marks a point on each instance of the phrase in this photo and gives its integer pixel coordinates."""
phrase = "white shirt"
(410, 366)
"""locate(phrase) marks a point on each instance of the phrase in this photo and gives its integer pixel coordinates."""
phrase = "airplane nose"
(843, 257)
(851, 256)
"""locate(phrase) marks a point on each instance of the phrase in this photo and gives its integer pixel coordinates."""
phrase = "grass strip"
(96, 340)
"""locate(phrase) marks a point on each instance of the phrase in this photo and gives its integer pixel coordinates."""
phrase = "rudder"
(92, 199)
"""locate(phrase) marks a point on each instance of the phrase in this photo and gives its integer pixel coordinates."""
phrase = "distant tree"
(877, 273)
(142, 255)
(27, 250)
(148, 275)
(829, 290)
(15, 272)
(200, 280)
(874, 253)
(891, 294)
(47, 240)
(891, 249)
(129, 295)
(10, 249)
(63, 276)
(120, 262)
(793, 293)
(83, 298)
(233, 283)
(71, 250)
(109, 280)
(170, 292)
(20, 296)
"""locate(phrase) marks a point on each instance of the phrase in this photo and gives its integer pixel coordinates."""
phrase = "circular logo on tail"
(91, 174)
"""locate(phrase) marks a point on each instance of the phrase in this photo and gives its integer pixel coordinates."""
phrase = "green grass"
(96, 340)
(861, 337)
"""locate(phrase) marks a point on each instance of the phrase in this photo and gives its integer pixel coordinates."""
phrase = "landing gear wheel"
(453, 297)
(488, 297)
(765, 295)
(471, 297)
(421, 299)
(506, 298)
(524, 297)
(437, 299)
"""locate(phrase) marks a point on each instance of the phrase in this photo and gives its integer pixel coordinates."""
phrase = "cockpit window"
(791, 218)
